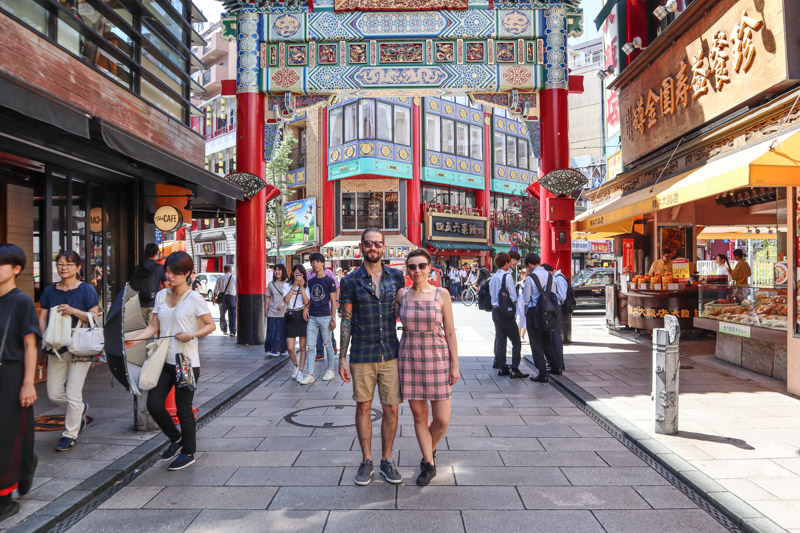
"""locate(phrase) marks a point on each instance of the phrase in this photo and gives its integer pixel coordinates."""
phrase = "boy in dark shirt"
(321, 315)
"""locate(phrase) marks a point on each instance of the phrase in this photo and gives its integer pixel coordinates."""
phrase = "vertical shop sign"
(627, 256)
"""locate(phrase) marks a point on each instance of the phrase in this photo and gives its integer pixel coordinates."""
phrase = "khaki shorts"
(385, 374)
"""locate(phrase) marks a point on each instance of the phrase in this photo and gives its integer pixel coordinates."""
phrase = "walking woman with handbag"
(275, 310)
(297, 298)
(73, 300)
(185, 312)
(19, 347)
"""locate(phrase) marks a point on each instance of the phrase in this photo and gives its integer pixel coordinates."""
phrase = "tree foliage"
(521, 217)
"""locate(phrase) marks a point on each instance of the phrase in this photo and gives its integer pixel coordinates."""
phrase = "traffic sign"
(515, 248)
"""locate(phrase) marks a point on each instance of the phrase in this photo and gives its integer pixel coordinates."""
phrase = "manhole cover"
(327, 416)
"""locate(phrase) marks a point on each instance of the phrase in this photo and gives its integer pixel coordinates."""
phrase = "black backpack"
(505, 305)
(484, 298)
(546, 310)
(569, 304)
(145, 283)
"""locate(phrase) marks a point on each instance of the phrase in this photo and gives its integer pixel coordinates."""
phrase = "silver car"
(208, 281)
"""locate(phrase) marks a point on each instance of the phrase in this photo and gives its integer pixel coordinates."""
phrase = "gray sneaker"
(364, 474)
(389, 471)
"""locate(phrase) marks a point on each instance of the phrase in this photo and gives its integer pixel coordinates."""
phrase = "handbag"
(87, 342)
(293, 314)
(184, 375)
(157, 354)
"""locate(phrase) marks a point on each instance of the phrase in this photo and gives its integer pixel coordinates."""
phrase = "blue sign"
(515, 248)
(159, 237)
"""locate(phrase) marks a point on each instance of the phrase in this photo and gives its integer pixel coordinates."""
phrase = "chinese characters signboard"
(713, 65)
(611, 62)
(457, 228)
(627, 256)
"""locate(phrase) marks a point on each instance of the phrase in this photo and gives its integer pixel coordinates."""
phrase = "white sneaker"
(295, 371)
(299, 376)
(328, 375)
(308, 380)
(272, 354)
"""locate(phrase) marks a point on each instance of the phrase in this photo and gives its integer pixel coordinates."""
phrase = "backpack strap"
(538, 286)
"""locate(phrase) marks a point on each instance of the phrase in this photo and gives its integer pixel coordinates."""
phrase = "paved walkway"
(740, 429)
(110, 436)
(518, 456)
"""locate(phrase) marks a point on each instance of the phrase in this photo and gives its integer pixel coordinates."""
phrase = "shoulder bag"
(293, 314)
(87, 342)
(157, 353)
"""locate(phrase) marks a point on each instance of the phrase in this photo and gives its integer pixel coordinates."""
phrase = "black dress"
(17, 319)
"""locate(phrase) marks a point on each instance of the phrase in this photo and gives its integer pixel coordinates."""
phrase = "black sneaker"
(65, 444)
(495, 365)
(422, 461)
(504, 372)
(364, 474)
(171, 451)
(9, 510)
(427, 473)
(180, 462)
(557, 372)
(516, 373)
(389, 471)
(542, 378)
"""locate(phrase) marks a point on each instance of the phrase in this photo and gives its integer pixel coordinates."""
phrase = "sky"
(212, 9)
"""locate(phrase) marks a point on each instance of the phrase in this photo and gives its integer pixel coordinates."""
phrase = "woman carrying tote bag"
(66, 372)
(191, 320)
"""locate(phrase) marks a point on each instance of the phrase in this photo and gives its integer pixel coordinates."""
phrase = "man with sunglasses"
(368, 320)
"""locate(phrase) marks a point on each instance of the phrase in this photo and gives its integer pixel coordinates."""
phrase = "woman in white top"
(522, 323)
(723, 266)
(275, 344)
(191, 320)
(296, 297)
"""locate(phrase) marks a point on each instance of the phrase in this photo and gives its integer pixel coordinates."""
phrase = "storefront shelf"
(756, 332)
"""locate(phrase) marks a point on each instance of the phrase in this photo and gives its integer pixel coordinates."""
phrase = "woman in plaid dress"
(428, 359)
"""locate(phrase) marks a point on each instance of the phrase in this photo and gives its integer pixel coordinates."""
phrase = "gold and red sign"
(627, 256)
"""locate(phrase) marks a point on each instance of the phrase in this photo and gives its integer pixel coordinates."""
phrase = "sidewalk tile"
(132, 497)
(103, 521)
(489, 498)
(526, 521)
(306, 443)
(285, 476)
(369, 497)
(623, 475)
(233, 458)
(510, 476)
(193, 475)
(494, 443)
(581, 445)
(665, 497)
(532, 431)
(525, 458)
(588, 498)
(213, 498)
(248, 521)
(454, 458)
(657, 521)
(394, 521)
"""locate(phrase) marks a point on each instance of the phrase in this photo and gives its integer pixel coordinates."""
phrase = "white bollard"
(666, 374)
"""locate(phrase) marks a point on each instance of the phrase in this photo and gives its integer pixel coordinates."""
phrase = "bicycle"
(469, 295)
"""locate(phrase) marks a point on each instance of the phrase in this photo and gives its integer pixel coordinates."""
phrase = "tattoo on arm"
(344, 339)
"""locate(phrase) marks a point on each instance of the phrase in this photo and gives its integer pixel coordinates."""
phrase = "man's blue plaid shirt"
(374, 325)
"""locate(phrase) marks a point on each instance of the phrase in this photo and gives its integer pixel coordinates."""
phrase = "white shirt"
(226, 285)
(531, 293)
(186, 320)
(296, 301)
(496, 283)
(723, 270)
(454, 275)
(270, 276)
(463, 274)
(561, 286)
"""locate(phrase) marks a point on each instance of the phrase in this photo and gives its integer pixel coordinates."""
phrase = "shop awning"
(753, 166)
(459, 246)
(733, 232)
(353, 240)
(609, 231)
(291, 249)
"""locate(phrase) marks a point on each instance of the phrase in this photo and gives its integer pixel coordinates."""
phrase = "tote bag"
(157, 354)
(87, 341)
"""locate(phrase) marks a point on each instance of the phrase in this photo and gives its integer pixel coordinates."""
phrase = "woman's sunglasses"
(414, 266)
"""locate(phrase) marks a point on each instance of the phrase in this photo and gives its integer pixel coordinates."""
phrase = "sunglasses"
(372, 244)
(414, 266)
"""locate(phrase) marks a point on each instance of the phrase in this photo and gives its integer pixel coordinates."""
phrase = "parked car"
(208, 281)
(589, 286)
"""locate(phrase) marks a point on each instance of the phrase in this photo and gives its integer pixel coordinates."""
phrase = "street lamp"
(661, 12)
(636, 44)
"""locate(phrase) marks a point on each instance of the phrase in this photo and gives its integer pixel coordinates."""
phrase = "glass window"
(171, 24)
(462, 139)
(370, 210)
(161, 100)
(469, 199)
(499, 148)
(448, 136)
(402, 125)
(522, 151)
(384, 121)
(391, 212)
(336, 129)
(349, 210)
(433, 137)
(511, 148)
(476, 142)
(31, 13)
(154, 41)
(366, 119)
(350, 121)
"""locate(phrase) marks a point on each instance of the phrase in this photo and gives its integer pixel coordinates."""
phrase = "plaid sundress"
(424, 360)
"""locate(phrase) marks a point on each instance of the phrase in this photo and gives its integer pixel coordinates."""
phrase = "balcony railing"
(220, 131)
(452, 210)
(501, 218)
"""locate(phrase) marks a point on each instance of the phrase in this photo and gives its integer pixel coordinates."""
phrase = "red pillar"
(328, 187)
(251, 232)
(483, 199)
(414, 186)
(555, 155)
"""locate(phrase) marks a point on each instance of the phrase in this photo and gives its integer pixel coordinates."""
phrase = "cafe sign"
(168, 218)
(457, 228)
(716, 56)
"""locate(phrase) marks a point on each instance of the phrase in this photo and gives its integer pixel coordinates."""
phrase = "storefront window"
(336, 126)
(162, 16)
(476, 142)
(499, 149)
(462, 139)
(448, 136)
(370, 210)
(30, 13)
(402, 125)
(349, 210)
(433, 139)
(511, 147)
(391, 212)
(523, 153)
(366, 119)
(384, 121)
(350, 122)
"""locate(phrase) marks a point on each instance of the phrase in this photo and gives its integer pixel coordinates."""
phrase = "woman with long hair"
(191, 319)
(428, 358)
(19, 348)
(275, 344)
(296, 298)
(522, 323)
(723, 266)
(66, 373)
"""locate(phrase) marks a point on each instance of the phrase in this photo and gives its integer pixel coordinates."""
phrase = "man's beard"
(376, 260)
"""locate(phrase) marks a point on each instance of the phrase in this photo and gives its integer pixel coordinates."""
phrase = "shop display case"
(763, 307)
